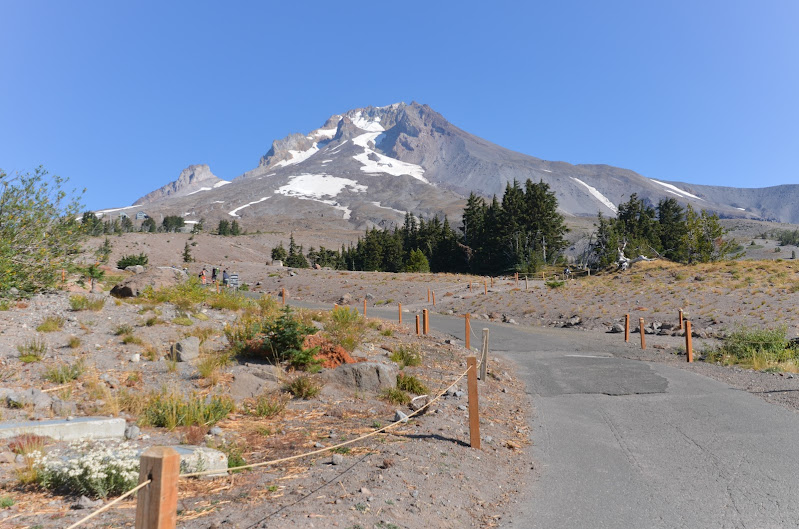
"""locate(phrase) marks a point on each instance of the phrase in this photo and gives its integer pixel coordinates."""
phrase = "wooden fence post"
(516, 278)
(283, 295)
(434, 298)
(364, 308)
(467, 340)
(492, 281)
(643, 334)
(428, 295)
(689, 345)
(474, 410)
(681, 320)
(157, 503)
(525, 283)
(484, 356)
(425, 321)
(485, 287)
(470, 286)
(63, 275)
(400, 313)
(417, 325)
(626, 327)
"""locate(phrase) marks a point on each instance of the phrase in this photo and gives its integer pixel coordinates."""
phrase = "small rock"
(318, 445)
(63, 408)
(417, 403)
(216, 430)
(337, 459)
(132, 431)
(462, 407)
(458, 394)
(617, 327)
(292, 273)
(415, 493)
(400, 416)
(369, 296)
(135, 358)
(7, 457)
(346, 299)
(488, 439)
(87, 503)
(186, 349)
(365, 491)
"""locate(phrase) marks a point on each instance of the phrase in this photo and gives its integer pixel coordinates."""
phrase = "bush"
(132, 260)
(268, 405)
(395, 396)
(170, 410)
(412, 384)
(758, 348)
(345, 328)
(80, 302)
(39, 235)
(275, 340)
(63, 373)
(97, 470)
(406, 356)
(51, 324)
(554, 283)
(303, 387)
(32, 350)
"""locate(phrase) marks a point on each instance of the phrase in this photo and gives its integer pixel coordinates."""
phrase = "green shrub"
(345, 328)
(183, 320)
(555, 283)
(63, 373)
(80, 302)
(132, 260)
(185, 296)
(758, 348)
(276, 340)
(32, 350)
(74, 342)
(303, 387)
(406, 356)
(229, 300)
(170, 410)
(395, 396)
(412, 384)
(268, 404)
(123, 329)
(39, 233)
(51, 324)
(6, 502)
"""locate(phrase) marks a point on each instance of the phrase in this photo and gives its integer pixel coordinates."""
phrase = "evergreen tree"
(417, 262)
(295, 258)
(148, 225)
(198, 227)
(671, 218)
(172, 223)
(104, 251)
(223, 228)
(234, 228)
(187, 258)
(279, 253)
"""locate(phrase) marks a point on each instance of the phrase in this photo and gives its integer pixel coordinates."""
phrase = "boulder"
(247, 385)
(368, 376)
(617, 327)
(346, 299)
(136, 269)
(574, 320)
(185, 350)
(162, 276)
(40, 400)
(277, 262)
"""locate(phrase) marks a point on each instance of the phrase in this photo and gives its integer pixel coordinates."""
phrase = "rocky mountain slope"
(371, 165)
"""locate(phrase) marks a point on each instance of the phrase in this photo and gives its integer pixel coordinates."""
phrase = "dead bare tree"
(625, 263)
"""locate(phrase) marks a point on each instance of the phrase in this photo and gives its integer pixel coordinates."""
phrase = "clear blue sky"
(120, 96)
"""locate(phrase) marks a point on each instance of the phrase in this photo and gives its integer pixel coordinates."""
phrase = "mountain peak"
(192, 179)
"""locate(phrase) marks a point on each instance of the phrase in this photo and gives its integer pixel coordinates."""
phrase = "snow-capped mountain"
(369, 166)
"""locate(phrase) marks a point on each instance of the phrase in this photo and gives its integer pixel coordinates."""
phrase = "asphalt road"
(627, 444)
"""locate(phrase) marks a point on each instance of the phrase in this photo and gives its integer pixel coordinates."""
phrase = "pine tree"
(104, 252)
(279, 253)
(234, 228)
(417, 262)
(223, 228)
(187, 258)
(295, 258)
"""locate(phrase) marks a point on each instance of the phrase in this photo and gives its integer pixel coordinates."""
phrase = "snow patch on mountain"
(235, 212)
(374, 162)
(298, 156)
(674, 190)
(599, 196)
(401, 212)
(366, 124)
(315, 186)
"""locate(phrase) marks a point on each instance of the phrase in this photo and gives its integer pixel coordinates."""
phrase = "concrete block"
(67, 430)
(200, 459)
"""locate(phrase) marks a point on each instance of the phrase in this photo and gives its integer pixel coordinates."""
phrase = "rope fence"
(110, 504)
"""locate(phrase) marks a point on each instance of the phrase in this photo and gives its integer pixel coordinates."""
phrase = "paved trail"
(627, 444)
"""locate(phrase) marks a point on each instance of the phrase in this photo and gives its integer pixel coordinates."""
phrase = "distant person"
(214, 273)
(203, 276)
(567, 273)
(225, 278)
